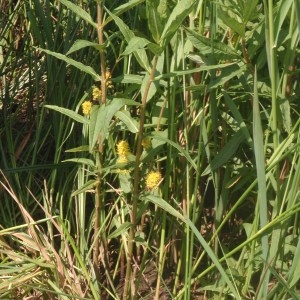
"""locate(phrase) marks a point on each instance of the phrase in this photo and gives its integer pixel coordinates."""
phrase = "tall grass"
(182, 181)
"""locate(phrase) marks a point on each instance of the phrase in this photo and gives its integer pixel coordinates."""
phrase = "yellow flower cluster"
(96, 93)
(153, 179)
(86, 107)
(108, 79)
(122, 159)
(123, 150)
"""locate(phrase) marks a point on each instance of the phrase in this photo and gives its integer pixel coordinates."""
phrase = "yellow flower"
(146, 143)
(153, 179)
(108, 79)
(86, 107)
(96, 93)
(122, 159)
(123, 148)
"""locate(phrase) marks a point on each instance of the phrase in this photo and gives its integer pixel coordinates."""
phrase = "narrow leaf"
(232, 23)
(89, 185)
(131, 124)
(79, 44)
(120, 230)
(262, 187)
(79, 12)
(70, 113)
(82, 161)
(297, 5)
(154, 20)
(79, 149)
(136, 43)
(175, 20)
(250, 11)
(128, 34)
(238, 117)
(226, 153)
(101, 120)
(87, 69)
(226, 74)
(159, 136)
(123, 8)
(221, 51)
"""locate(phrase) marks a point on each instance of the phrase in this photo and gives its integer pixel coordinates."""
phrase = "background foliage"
(205, 93)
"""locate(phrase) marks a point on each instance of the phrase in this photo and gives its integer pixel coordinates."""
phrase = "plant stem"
(102, 53)
(137, 180)
(98, 196)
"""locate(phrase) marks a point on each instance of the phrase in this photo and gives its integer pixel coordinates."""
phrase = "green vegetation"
(149, 149)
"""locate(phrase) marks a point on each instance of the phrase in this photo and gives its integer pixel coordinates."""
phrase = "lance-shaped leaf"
(79, 44)
(70, 113)
(176, 18)
(203, 44)
(101, 118)
(79, 12)
(87, 69)
(128, 34)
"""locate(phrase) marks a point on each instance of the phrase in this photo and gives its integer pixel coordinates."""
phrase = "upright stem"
(136, 183)
(272, 50)
(98, 196)
(102, 53)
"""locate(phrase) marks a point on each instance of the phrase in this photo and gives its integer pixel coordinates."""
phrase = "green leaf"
(79, 149)
(258, 142)
(175, 20)
(228, 73)
(123, 8)
(92, 127)
(226, 153)
(136, 43)
(155, 23)
(87, 69)
(131, 124)
(129, 78)
(89, 185)
(79, 44)
(163, 205)
(82, 161)
(194, 70)
(232, 23)
(203, 44)
(160, 136)
(250, 11)
(153, 87)
(125, 182)
(123, 228)
(128, 34)
(281, 16)
(294, 270)
(79, 12)
(100, 119)
(70, 113)
(238, 117)
(297, 5)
